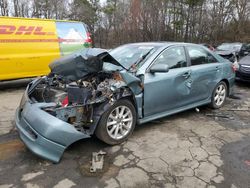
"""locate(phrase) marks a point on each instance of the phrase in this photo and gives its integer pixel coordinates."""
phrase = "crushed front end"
(65, 106)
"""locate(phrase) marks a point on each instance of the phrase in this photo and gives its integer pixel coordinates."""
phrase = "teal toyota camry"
(108, 93)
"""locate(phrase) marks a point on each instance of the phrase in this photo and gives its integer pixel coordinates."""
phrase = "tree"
(114, 22)
(4, 7)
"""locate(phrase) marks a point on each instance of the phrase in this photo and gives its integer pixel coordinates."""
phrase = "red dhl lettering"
(23, 30)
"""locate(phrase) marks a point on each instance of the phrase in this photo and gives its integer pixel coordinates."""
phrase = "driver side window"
(174, 57)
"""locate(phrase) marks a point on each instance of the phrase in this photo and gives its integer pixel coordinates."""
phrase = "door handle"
(187, 74)
(217, 68)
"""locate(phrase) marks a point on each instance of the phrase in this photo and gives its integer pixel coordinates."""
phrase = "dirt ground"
(209, 148)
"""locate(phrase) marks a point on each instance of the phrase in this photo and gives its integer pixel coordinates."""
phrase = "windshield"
(230, 47)
(128, 55)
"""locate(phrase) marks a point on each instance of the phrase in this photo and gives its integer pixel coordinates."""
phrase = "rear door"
(166, 91)
(206, 72)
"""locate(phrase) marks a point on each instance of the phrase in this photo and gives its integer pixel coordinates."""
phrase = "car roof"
(159, 44)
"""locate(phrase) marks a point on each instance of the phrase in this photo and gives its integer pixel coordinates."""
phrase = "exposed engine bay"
(79, 102)
(78, 91)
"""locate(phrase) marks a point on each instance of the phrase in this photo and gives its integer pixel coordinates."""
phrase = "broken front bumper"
(44, 134)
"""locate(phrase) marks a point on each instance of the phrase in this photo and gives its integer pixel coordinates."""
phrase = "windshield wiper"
(140, 59)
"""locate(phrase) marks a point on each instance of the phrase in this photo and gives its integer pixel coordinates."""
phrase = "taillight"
(235, 66)
(89, 40)
(65, 101)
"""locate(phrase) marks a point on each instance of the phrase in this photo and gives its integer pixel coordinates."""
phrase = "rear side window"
(72, 36)
(174, 57)
(199, 56)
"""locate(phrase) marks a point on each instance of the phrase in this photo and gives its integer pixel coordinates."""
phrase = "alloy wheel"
(220, 95)
(119, 122)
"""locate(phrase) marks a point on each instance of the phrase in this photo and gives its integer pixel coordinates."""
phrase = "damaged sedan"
(232, 51)
(107, 93)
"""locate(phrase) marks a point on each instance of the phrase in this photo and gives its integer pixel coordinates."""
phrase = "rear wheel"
(219, 95)
(117, 123)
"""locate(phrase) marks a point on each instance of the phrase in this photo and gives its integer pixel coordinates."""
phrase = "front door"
(166, 91)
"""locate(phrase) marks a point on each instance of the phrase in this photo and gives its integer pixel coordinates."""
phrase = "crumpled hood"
(77, 65)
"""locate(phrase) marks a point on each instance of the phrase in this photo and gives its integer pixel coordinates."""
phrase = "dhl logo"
(23, 30)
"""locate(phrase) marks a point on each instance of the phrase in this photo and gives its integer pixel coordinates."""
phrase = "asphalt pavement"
(209, 148)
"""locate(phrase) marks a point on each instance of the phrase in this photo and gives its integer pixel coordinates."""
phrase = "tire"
(219, 95)
(119, 128)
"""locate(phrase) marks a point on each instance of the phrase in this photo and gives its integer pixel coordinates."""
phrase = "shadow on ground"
(14, 84)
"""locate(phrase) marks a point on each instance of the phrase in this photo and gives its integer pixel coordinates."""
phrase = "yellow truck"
(27, 45)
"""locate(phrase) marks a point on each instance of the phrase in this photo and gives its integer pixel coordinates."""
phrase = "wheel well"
(227, 83)
(132, 99)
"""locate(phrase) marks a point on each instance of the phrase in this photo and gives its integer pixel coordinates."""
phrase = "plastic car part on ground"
(97, 161)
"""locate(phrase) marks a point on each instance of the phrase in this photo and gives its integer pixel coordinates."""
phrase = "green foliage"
(109, 9)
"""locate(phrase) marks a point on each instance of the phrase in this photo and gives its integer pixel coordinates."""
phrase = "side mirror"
(159, 68)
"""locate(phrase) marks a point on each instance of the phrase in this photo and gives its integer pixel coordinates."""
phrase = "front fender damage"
(76, 106)
(71, 102)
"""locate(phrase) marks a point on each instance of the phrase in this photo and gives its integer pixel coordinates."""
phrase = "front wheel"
(219, 95)
(117, 123)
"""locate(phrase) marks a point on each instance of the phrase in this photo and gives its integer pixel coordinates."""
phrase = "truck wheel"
(219, 95)
(117, 123)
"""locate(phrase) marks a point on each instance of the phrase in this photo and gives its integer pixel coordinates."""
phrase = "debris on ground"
(225, 116)
(197, 110)
(97, 161)
(239, 109)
